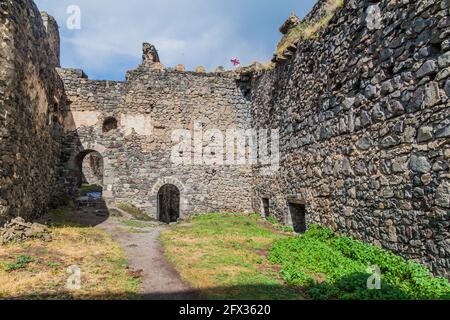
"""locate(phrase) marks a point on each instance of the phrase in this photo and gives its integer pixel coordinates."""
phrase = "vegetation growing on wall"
(307, 30)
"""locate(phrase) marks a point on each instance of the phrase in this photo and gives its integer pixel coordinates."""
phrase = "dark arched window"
(109, 124)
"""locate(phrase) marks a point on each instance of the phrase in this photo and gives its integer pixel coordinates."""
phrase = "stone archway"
(155, 193)
(168, 203)
(90, 167)
(75, 165)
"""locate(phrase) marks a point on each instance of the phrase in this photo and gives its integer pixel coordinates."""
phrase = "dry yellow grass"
(101, 260)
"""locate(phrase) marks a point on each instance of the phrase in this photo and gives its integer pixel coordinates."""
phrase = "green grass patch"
(134, 211)
(337, 267)
(61, 217)
(231, 256)
(135, 224)
(225, 257)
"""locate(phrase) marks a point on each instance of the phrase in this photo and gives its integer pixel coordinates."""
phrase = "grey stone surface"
(31, 100)
(429, 67)
(425, 134)
(138, 163)
(398, 151)
(420, 164)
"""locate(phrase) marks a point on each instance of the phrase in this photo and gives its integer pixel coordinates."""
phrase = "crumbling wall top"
(52, 30)
(149, 53)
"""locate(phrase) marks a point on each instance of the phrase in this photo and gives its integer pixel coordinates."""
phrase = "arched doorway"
(168, 203)
(90, 168)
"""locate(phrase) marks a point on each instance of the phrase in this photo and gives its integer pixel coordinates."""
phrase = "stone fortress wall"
(31, 103)
(363, 116)
(365, 129)
(148, 107)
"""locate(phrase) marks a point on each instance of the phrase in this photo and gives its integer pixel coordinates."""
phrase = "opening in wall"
(169, 204)
(266, 207)
(298, 215)
(109, 124)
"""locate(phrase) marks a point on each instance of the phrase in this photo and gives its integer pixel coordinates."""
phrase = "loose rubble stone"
(18, 230)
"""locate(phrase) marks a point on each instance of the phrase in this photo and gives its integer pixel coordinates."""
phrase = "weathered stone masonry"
(148, 107)
(31, 100)
(363, 114)
(365, 121)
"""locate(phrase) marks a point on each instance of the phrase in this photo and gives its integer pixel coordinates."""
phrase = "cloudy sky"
(192, 32)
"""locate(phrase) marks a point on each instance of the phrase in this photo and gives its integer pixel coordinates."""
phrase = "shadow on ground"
(245, 292)
(87, 213)
(242, 293)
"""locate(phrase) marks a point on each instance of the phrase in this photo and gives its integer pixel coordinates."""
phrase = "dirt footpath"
(160, 281)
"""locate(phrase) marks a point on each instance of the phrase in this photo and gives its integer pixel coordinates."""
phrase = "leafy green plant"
(21, 263)
(336, 267)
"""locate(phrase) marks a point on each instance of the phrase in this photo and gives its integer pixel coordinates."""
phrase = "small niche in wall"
(265, 207)
(298, 215)
(109, 124)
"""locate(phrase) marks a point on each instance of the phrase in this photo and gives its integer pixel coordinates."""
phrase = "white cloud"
(194, 32)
